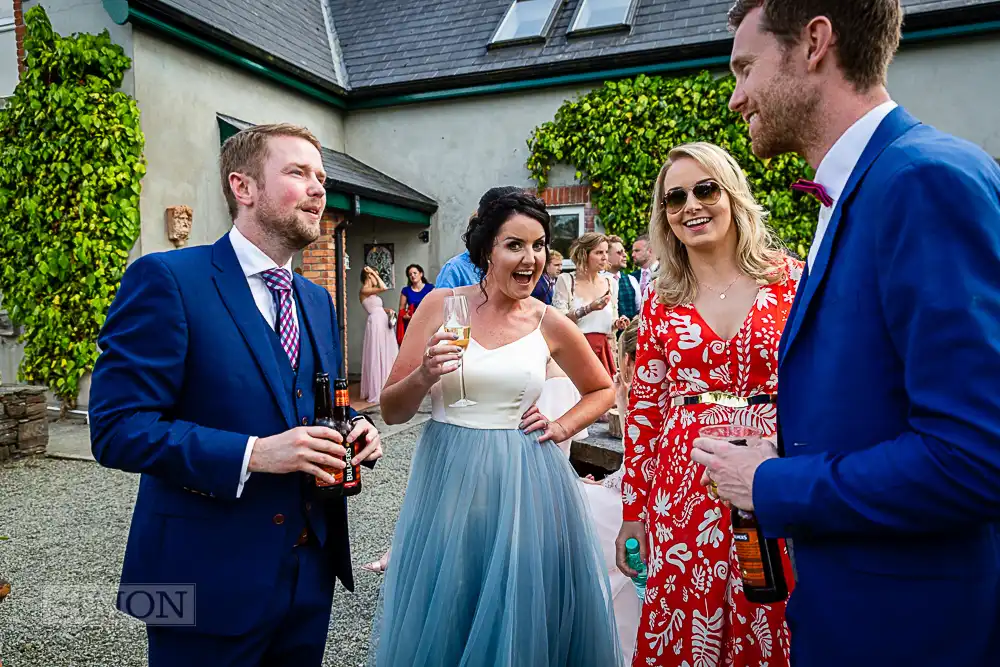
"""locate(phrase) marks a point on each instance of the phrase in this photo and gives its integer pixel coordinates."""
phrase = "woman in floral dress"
(722, 298)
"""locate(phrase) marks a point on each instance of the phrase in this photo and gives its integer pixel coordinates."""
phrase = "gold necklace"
(723, 294)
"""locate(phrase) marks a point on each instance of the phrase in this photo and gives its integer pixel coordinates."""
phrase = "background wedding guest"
(633, 285)
(547, 283)
(605, 500)
(590, 299)
(378, 353)
(410, 297)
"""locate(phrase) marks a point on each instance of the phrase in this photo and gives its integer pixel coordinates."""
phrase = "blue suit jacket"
(185, 376)
(889, 414)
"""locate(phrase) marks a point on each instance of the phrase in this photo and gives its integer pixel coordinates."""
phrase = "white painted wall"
(952, 86)
(453, 151)
(179, 93)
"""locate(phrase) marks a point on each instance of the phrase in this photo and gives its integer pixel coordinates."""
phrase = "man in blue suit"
(886, 475)
(205, 386)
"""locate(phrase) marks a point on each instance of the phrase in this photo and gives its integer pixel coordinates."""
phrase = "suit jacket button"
(298, 393)
(279, 519)
(305, 421)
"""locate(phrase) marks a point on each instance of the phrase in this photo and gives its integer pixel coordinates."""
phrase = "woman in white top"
(590, 299)
(494, 556)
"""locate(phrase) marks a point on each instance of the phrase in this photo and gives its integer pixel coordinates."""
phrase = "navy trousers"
(293, 631)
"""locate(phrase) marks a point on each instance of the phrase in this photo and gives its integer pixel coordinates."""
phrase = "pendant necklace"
(723, 294)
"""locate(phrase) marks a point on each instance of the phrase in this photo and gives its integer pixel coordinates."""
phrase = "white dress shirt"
(835, 169)
(253, 261)
(650, 282)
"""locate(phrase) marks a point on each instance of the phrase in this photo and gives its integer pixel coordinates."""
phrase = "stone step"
(598, 454)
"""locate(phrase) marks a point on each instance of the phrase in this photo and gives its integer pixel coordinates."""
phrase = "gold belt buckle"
(726, 399)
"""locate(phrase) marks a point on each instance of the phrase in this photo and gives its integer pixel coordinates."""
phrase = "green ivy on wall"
(70, 170)
(618, 137)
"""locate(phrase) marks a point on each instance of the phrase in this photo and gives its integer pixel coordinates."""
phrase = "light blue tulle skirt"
(494, 560)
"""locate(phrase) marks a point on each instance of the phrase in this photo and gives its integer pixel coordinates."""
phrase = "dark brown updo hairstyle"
(496, 207)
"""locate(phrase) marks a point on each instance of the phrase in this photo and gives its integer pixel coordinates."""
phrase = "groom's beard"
(787, 119)
(292, 229)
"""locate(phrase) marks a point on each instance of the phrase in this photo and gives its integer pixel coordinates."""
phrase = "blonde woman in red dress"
(722, 298)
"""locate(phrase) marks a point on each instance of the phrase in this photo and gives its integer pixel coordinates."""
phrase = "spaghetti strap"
(542, 318)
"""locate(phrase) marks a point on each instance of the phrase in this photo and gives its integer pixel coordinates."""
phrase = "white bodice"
(504, 383)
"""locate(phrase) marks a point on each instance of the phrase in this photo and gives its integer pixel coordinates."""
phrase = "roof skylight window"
(526, 21)
(603, 15)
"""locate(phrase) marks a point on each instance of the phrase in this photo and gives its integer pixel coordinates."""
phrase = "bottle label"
(338, 478)
(351, 472)
(748, 552)
(341, 399)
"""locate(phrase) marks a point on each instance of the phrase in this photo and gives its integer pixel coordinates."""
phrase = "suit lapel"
(316, 316)
(892, 127)
(236, 295)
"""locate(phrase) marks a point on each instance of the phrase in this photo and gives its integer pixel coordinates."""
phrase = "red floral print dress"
(695, 613)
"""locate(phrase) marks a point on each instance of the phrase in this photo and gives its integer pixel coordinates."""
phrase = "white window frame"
(8, 59)
(494, 41)
(629, 19)
(580, 211)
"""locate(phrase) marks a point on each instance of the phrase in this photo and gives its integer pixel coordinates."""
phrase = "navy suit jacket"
(889, 414)
(186, 374)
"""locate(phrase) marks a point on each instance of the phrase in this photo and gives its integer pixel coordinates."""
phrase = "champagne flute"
(458, 322)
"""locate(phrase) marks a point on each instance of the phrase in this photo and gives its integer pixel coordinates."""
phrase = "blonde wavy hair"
(628, 342)
(759, 252)
(579, 251)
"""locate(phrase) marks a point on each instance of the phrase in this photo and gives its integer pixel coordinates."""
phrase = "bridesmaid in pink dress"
(380, 347)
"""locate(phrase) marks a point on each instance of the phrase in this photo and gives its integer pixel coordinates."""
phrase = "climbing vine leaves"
(70, 170)
(618, 136)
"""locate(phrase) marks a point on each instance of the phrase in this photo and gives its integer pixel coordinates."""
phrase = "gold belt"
(724, 398)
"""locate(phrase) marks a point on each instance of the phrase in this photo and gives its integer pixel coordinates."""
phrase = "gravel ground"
(66, 524)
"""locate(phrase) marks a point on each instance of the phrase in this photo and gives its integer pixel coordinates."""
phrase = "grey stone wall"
(24, 428)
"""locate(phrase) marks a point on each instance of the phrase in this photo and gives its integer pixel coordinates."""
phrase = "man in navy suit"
(205, 386)
(886, 475)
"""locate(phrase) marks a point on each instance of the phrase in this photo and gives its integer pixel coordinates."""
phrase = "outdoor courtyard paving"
(66, 522)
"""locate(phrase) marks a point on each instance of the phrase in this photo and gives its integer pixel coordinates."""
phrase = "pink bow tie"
(815, 189)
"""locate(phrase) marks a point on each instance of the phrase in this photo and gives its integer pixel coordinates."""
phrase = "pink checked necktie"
(815, 189)
(279, 281)
(643, 282)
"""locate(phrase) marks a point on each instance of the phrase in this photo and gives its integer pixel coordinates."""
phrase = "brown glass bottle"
(341, 405)
(759, 557)
(325, 415)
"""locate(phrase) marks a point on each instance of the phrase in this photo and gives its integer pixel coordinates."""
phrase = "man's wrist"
(358, 417)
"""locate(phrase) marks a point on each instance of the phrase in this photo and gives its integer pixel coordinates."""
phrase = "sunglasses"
(706, 192)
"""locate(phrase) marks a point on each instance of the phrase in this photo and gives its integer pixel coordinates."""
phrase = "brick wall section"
(19, 35)
(571, 195)
(319, 263)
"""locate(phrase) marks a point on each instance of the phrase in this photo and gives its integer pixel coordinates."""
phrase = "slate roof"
(287, 32)
(407, 45)
(351, 176)
(392, 42)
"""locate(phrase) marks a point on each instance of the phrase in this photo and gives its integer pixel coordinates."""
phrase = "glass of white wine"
(458, 322)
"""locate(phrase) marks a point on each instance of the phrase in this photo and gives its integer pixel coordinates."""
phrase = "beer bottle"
(325, 415)
(759, 557)
(352, 473)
